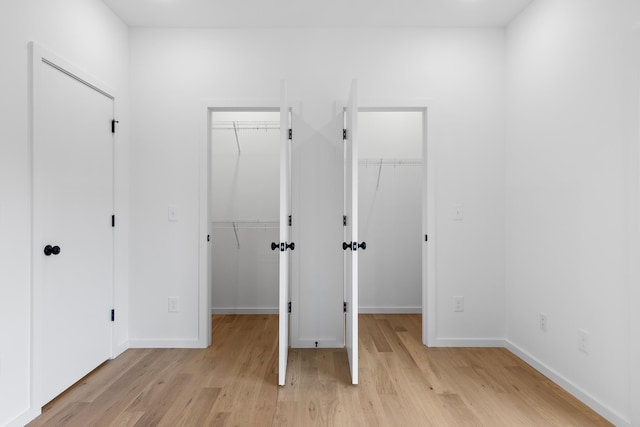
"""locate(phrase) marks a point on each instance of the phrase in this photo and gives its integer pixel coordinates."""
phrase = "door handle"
(51, 250)
(283, 246)
(354, 246)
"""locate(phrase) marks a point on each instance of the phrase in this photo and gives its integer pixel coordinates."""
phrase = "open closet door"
(350, 244)
(285, 244)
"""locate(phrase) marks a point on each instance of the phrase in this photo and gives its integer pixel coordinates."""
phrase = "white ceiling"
(318, 13)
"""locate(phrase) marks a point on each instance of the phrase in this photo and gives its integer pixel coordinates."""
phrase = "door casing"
(428, 108)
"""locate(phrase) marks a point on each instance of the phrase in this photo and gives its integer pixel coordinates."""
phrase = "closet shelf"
(246, 224)
(245, 125)
(236, 126)
(394, 162)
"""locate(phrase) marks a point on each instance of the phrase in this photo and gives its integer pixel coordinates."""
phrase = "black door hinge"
(290, 134)
(289, 220)
(344, 220)
(113, 315)
(289, 306)
(426, 238)
(208, 237)
(113, 125)
(113, 220)
(344, 306)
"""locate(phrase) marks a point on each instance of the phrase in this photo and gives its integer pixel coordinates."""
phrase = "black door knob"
(274, 246)
(354, 246)
(291, 246)
(51, 250)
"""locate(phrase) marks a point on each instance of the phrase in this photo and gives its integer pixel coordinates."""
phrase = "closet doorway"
(244, 211)
(392, 201)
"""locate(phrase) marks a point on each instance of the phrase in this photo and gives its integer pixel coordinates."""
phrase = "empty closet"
(244, 211)
(391, 177)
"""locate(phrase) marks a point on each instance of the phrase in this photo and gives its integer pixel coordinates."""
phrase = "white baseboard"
(310, 343)
(25, 418)
(390, 310)
(119, 349)
(274, 310)
(244, 310)
(468, 342)
(602, 409)
(162, 343)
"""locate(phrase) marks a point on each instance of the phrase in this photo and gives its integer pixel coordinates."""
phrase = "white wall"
(461, 71)
(244, 275)
(88, 35)
(633, 300)
(390, 211)
(245, 185)
(572, 170)
(245, 193)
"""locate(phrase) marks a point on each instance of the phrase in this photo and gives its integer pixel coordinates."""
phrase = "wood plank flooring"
(233, 383)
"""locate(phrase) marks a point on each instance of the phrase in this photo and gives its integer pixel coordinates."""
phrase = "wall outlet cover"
(583, 341)
(173, 304)
(544, 321)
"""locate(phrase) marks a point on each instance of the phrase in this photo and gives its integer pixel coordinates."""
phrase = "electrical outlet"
(583, 341)
(173, 305)
(458, 304)
(543, 322)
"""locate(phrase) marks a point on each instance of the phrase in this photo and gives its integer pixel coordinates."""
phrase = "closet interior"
(391, 178)
(244, 211)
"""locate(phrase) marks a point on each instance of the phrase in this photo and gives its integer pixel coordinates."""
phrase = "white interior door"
(72, 215)
(285, 244)
(351, 244)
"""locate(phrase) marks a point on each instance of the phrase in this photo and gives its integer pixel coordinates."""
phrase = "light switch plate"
(583, 341)
(458, 212)
(172, 213)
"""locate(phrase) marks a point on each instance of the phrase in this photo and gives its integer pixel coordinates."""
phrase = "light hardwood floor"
(233, 383)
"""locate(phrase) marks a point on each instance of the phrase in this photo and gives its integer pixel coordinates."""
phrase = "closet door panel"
(351, 231)
(285, 210)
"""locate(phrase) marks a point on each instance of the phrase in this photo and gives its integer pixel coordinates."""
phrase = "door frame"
(429, 161)
(204, 217)
(39, 57)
